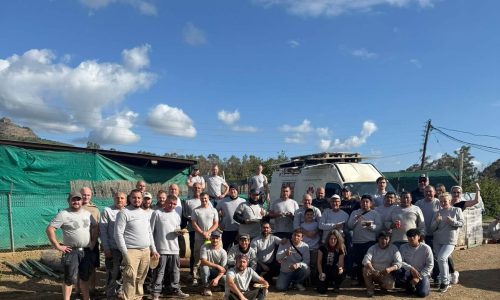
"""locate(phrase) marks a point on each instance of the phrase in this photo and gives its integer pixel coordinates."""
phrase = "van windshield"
(356, 188)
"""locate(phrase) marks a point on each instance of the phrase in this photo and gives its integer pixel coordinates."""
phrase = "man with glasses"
(79, 237)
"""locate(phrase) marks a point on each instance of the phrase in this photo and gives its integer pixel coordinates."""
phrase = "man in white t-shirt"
(193, 178)
(259, 182)
(238, 281)
(217, 187)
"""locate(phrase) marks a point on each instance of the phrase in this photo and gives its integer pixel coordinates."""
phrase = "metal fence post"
(11, 226)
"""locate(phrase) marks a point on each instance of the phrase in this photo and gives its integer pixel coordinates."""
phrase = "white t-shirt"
(75, 226)
(241, 279)
(258, 182)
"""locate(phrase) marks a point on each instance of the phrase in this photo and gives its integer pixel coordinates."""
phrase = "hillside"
(12, 131)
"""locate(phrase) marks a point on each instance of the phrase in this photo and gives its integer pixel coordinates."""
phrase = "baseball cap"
(74, 195)
(216, 233)
(242, 256)
(147, 195)
(254, 192)
(233, 186)
(335, 196)
(244, 236)
(345, 189)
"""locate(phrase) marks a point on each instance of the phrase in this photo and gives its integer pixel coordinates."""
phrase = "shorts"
(77, 263)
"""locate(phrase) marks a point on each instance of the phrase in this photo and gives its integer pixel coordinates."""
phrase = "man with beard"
(295, 260)
(165, 224)
(113, 256)
(380, 261)
(135, 242)
(249, 214)
(147, 202)
(321, 201)
(79, 236)
(226, 209)
(238, 281)
(418, 262)
(243, 247)
(213, 263)
(266, 246)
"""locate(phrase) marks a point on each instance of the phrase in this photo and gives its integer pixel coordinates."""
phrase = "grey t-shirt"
(216, 256)
(75, 226)
(214, 185)
(265, 247)
(419, 257)
(228, 207)
(205, 218)
(258, 182)
(107, 227)
(283, 223)
(241, 279)
(250, 212)
(330, 219)
(428, 209)
(383, 258)
(163, 225)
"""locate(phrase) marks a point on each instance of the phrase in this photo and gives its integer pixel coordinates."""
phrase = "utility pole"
(461, 170)
(426, 137)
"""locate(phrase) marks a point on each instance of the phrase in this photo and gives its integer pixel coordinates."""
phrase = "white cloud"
(416, 63)
(136, 58)
(116, 130)
(293, 43)
(304, 127)
(144, 7)
(324, 145)
(323, 131)
(363, 54)
(479, 165)
(193, 35)
(296, 139)
(55, 97)
(352, 142)
(250, 129)
(332, 8)
(170, 121)
(228, 117)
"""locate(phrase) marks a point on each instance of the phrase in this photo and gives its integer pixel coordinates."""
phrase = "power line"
(467, 132)
(473, 145)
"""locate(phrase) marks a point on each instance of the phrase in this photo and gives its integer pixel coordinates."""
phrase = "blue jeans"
(285, 278)
(423, 286)
(207, 274)
(442, 254)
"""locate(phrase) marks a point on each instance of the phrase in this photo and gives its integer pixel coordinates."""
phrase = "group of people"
(241, 246)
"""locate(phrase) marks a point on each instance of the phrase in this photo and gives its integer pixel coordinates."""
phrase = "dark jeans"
(191, 257)
(332, 275)
(358, 253)
(274, 270)
(250, 295)
(77, 264)
(113, 273)
(228, 238)
(421, 289)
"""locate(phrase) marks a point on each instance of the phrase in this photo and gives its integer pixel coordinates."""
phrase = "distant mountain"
(11, 131)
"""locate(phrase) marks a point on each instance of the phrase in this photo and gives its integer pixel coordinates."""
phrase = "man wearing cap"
(265, 247)
(165, 224)
(419, 192)
(113, 256)
(238, 281)
(213, 262)
(217, 187)
(249, 215)
(135, 241)
(379, 263)
(204, 220)
(147, 202)
(348, 203)
(283, 211)
(298, 217)
(226, 209)
(365, 223)
(321, 201)
(79, 237)
(259, 182)
(243, 247)
(333, 218)
(418, 262)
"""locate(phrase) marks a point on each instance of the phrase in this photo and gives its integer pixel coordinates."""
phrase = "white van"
(333, 171)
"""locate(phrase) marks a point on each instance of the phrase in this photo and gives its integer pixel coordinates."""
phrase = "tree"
(92, 145)
(492, 171)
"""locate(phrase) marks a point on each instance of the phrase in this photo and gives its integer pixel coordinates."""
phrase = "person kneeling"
(418, 262)
(213, 261)
(331, 262)
(238, 281)
(380, 261)
(294, 258)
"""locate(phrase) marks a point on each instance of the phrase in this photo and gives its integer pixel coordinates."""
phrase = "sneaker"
(177, 294)
(454, 277)
(443, 288)
(436, 283)
(300, 287)
(370, 294)
(195, 282)
(206, 292)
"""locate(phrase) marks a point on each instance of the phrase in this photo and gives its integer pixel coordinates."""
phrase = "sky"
(256, 77)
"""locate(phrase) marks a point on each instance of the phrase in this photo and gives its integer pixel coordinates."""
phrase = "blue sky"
(255, 77)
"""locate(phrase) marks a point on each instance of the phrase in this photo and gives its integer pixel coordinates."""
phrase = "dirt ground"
(479, 279)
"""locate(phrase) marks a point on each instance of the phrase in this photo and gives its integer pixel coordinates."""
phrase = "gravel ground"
(479, 279)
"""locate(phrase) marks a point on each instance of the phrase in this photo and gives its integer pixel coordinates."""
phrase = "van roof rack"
(322, 158)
